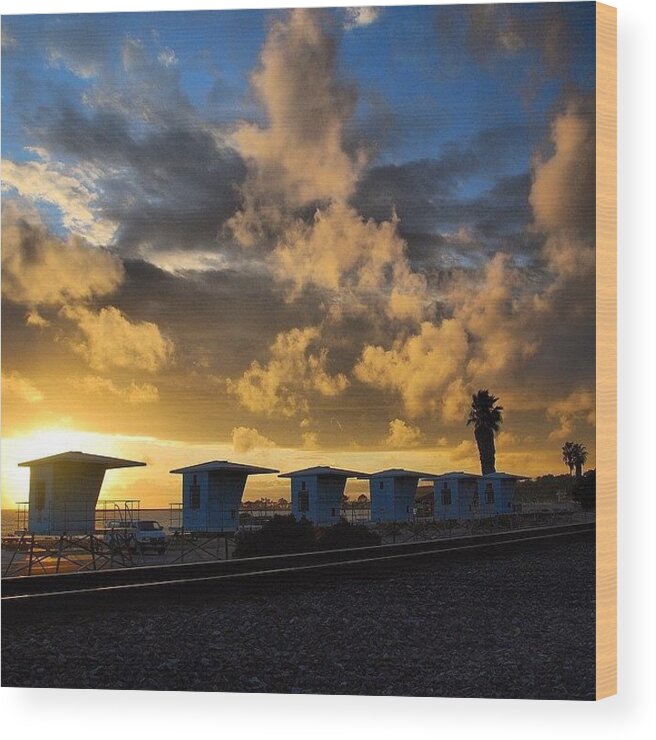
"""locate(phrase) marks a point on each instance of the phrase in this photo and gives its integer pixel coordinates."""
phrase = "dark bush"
(281, 535)
(284, 534)
(343, 535)
(584, 491)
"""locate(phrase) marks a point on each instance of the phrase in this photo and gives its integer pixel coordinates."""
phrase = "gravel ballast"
(514, 624)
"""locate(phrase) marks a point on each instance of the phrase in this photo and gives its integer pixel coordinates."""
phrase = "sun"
(41, 443)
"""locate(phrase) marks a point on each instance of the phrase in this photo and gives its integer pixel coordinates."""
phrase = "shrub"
(343, 535)
(584, 491)
(281, 535)
(284, 534)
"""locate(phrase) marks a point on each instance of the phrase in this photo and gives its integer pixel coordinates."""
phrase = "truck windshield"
(149, 526)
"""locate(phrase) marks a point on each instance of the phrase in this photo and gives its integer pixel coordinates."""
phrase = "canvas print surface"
(298, 351)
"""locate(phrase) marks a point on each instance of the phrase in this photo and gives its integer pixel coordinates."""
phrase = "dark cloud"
(171, 188)
(548, 37)
(431, 196)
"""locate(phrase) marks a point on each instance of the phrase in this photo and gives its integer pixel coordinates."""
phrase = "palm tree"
(575, 456)
(568, 455)
(485, 415)
(580, 458)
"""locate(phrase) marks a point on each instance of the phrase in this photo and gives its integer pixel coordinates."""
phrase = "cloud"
(169, 187)
(341, 252)
(8, 41)
(72, 192)
(563, 192)
(562, 195)
(358, 17)
(82, 48)
(419, 367)
(145, 89)
(310, 441)
(466, 451)
(492, 307)
(17, 386)
(245, 439)
(40, 269)
(134, 393)
(294, 372)
(403, 435)
(299, 159)
(578, 407)
(167, 58)
(498, 31)
(110, 339)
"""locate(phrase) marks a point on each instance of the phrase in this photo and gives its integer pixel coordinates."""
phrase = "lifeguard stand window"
(489, 494)
(194, 496)
(446, 496)
(381, 485)
(303, 499)
(40, 495)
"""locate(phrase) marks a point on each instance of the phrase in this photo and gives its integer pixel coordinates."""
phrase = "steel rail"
(154, 578)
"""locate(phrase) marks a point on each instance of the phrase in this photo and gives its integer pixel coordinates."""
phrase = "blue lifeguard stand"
(64, 491)
(211, 494)
(455, 496)
(317, 492)
(497, 492)
(393, 494)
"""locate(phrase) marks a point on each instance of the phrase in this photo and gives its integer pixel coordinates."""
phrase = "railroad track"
(24, 594)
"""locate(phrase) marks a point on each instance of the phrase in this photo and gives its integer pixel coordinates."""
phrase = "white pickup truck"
(146, 534)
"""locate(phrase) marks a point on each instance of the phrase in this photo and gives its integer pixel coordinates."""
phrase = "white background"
(40, 713)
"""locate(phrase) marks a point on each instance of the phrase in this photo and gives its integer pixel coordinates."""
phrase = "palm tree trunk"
(579, 469)
(486, 452)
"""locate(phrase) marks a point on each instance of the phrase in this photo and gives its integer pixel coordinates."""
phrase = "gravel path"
(515, 625)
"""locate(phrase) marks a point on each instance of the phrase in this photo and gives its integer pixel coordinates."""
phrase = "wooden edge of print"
(606, 258)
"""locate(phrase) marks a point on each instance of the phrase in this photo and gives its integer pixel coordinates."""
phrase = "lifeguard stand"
(211, 494)
(64, 491)
(497, 492)
(317, 492)
(456, 496)
(393, 494)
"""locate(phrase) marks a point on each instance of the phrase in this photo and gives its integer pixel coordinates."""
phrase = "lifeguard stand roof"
(506, 475)
(397, 473)
(453, 474)
(325, 470)
(82, 458)
(224, 465)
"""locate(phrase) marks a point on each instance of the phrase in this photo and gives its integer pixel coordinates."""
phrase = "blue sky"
(404, 61)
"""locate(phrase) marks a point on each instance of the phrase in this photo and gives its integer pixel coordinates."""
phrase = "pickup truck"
(145, 534)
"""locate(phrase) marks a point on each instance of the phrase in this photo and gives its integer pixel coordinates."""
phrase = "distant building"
(393, 494)
(64, 491)
(317, 492)
(456, 496)
(497, 492)
(211, 494)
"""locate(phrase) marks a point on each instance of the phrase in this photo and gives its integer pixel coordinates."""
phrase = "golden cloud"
(294, 371)
(17, 386)
(578, 407)
(403, 435)
(245, 439)
(300, 154)
(110, 339)
(419, 368)
(40, 269)
(132, 393)
(340, 251)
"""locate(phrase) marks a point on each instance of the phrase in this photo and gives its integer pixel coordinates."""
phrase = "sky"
(297, 237)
